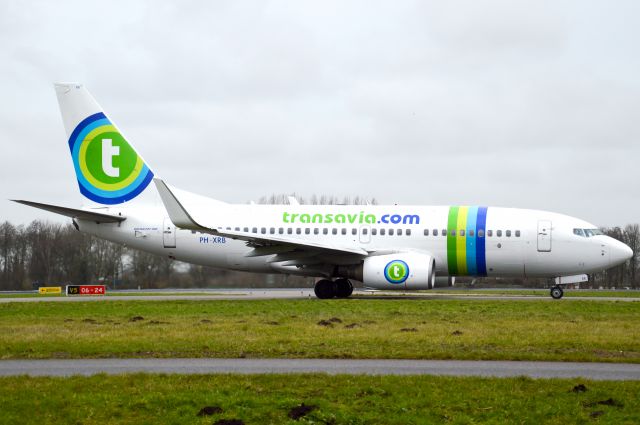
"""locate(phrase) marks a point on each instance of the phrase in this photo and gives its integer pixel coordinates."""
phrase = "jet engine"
(407, 270)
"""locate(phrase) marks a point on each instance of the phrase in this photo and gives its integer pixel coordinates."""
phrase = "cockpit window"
(587, 233)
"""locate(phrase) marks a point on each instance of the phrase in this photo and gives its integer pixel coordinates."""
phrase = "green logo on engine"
(397, 271)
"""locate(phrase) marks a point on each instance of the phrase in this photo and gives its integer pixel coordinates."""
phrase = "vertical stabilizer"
(108, 168)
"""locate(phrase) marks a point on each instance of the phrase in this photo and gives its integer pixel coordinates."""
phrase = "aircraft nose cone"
(619, 253)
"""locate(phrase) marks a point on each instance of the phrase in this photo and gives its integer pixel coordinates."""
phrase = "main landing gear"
(339, 288)
(556, 292)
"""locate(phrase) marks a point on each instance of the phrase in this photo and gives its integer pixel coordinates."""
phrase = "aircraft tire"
(325, 289)
(556, 292)
(344, 288)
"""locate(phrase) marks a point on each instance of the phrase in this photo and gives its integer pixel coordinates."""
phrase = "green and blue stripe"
(466, 254)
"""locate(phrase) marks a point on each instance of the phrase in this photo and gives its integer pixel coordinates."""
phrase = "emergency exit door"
(544, 235)
(168, 233)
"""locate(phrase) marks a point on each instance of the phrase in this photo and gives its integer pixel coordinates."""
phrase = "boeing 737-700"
(382, 246)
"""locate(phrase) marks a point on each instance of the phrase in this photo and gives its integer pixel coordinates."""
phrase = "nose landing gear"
(339, 288)
(556, 292)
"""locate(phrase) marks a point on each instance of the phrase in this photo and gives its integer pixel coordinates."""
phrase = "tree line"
(45, 253)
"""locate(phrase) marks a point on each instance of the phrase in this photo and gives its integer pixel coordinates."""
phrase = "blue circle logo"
(396, 272)
(108, 169)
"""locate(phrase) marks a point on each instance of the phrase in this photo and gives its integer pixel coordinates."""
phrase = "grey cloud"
(526, 104)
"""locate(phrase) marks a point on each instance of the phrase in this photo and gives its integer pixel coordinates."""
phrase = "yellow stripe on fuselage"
(461, 241)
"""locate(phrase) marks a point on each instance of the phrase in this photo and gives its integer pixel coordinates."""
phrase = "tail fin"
(108, 169)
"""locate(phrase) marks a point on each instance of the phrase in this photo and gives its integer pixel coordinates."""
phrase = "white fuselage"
(509, 243)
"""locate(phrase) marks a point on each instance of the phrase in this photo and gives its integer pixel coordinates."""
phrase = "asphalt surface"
(305, 293)
(595, 371)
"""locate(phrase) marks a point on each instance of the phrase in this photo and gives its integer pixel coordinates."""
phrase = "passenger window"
(435, 232)
(381, 232)
(237, 229)
(471, 232)
(374, 232)
(263, 230)
(365, 231)
(498, 233)
(390, 232)
(480, 233)
(255, 230)
(489, 233)
(517, 233)
(461, 232)
(334, 231)
(508, 232)
(344, 231)
(325, 231)
(444, 232)
(246, 229)
(281, 230)
(354, 231)
(298, 231)
(399, 232)
(408, 232)
(578, 232)
(426, 232)
(316, 231)
(289, 230)
(452, 232)
(307, 231)
(272, 230)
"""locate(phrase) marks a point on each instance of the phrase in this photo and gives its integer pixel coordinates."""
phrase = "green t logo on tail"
(109, 171)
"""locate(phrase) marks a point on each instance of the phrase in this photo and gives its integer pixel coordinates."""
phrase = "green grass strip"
(269, 399)
(354, 328)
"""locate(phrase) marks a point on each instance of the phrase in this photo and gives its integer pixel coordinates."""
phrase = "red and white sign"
(86, 289)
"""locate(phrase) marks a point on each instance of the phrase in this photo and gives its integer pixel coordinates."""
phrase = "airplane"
(386, 247)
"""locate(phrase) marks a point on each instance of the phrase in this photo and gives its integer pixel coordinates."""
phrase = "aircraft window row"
(471, 233)
(399, 232)
(324, 231)
(587, 233)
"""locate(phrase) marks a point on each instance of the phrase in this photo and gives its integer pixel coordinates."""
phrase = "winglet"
(177, 213)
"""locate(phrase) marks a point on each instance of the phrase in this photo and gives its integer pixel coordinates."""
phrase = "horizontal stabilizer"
(75, 213)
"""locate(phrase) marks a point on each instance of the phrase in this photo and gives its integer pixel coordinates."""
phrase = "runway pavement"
(303, 293)
(595, 371)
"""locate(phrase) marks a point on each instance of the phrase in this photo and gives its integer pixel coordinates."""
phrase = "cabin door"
(544, 236)
(168, 233)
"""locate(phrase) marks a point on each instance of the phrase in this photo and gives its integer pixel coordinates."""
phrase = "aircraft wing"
(89, 215)
(263, 244)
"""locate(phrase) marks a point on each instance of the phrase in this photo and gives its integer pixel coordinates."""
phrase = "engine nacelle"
(407, 270)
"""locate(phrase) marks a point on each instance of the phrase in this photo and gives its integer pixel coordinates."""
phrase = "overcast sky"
(528, 104)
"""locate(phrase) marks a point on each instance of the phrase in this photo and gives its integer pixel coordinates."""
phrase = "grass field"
(269, 399)
(476, 292)
(381, 328)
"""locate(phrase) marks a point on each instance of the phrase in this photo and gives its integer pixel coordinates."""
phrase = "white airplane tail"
(108, 169)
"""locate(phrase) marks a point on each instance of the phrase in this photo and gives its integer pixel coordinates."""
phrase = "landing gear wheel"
(556, 292)
(325, 289)
(344, 288)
